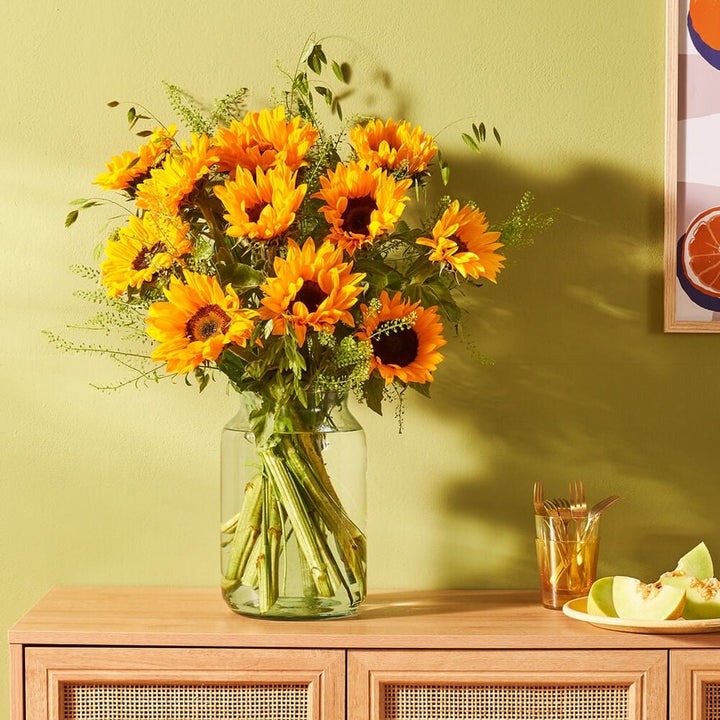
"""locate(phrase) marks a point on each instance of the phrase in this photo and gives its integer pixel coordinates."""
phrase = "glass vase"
(293, 508)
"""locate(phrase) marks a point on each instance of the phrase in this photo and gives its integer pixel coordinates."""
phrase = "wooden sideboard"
(102, 653)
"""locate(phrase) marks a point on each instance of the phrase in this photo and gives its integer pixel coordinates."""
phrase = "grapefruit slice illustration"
(704, 28)
(699, 259)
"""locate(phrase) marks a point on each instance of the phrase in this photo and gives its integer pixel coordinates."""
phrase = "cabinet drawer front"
(695, 685)
(507, 685)
(171, 683)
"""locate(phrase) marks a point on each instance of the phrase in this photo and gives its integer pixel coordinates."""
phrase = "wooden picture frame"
(692, 168)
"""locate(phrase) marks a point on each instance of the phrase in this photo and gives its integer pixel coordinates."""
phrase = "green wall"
(122, 488)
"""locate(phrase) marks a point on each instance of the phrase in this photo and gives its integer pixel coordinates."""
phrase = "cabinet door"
(507, 685)
(695, 685)
(71, 683)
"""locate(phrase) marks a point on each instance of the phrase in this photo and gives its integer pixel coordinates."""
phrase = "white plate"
(577, 609)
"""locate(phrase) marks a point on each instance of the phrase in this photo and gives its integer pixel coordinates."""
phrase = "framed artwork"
(692, 167)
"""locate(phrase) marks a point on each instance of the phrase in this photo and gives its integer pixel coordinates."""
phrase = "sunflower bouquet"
(270, 250)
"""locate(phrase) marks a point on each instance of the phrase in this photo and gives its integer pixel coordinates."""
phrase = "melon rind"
(600, 601)
(634, 600)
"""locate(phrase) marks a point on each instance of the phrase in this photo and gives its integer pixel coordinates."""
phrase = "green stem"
(247, 530)
(266, 563)
(318, 486)
(301, 523)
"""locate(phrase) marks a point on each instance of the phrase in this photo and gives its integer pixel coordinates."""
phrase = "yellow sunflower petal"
(461, 241)
(197, 322)
(393, 146)
(361, 205)
(407, 352)
(261, 206)
(311, 289)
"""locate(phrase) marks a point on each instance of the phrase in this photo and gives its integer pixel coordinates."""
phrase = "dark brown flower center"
(395, 347)
(253, 212)
(310, 295)
(462, 247)
(144, 257)
(206, 322)
(356, 217)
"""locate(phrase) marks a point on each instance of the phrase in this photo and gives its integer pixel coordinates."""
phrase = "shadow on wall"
(584, 386)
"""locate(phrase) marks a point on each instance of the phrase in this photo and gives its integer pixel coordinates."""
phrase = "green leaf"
(301, 82)
(113, 103)
(471, 142)
(245, 276)
(336, 108)
(339, 71)
(144, 133)
(131, 115)
(497, 136)
(479, 131)
(422, 388)
(373, 390)
(71, 218)
(316, 59)
(444, 169)
(326, 93)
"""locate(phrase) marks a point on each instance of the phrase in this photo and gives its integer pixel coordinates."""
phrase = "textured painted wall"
(122, 488)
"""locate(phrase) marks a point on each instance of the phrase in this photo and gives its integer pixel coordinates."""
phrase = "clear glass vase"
(293, 508)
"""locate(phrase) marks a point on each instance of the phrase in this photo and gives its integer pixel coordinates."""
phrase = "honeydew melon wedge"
(635, 600)
(600, 600)
(694, 574)
(697, 563)
(702, 597)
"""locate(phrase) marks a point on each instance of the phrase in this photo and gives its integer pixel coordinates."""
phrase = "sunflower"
(142, 249)
(170, 184)
(311, 289)
(405, 338)
(264, 139)
(397, 147)
(360, 204)
(197, 323)
(460, 239)
(261, 206)
(124, 170)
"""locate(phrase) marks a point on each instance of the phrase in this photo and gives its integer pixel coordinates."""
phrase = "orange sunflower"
(311, 289)
(361, 205)
(264, 139)
(197, 323)
(393, 146)
(170, 184)
(142, 249)
(461, 240)
(405, 351)
(262, 206)
(125, 169)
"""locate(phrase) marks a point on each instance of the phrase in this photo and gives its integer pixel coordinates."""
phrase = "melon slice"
(696, 563)
(702, 599)
(600, 601)
(635, 600)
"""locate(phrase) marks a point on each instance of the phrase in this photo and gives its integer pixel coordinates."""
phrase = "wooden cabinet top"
(198, 617)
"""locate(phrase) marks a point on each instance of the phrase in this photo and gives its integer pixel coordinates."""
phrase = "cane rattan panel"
(505, 702)
(711, 701)
(184, 702)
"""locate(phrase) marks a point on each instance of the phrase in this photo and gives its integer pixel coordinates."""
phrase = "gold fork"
(538, 498)
(578, 506)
